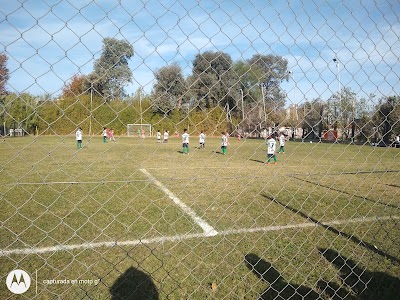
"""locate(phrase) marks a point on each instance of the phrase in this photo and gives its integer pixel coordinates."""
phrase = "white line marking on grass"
(182, 237)
(306, 225)
(57, 248)
(208, 229)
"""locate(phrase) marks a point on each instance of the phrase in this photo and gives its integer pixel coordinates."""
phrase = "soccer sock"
(274, 158)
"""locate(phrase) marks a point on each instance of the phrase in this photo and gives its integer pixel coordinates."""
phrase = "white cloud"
(68, 37)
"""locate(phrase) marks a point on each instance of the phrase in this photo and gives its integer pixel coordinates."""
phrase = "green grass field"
(323, 222)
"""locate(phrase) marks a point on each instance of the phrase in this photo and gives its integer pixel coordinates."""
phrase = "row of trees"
(38, 115)
(216, 81)
(222, 94)
(356, 119)
(349, 115)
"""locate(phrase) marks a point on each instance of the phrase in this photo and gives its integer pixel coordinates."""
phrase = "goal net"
(139, 130)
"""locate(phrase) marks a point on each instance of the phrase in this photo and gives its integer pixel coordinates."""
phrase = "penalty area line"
(208, 229)
(58, 248)
(182, 237)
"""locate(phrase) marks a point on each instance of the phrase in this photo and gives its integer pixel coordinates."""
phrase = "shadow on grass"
(393, 185)
(350, 237)
(134, 284)
(218, 152)
(357, 282)
(257, 160)
(278, 287)
(347, 193)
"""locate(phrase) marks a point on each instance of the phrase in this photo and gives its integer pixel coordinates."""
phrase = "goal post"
(139, 130)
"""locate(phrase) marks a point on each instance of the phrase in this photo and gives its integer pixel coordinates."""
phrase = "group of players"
(108, 133)
(185, 139)
(271, 141)
(271, 146)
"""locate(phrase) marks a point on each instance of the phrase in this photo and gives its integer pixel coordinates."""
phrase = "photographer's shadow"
(278, 287)
(356, 281)
(134, 284)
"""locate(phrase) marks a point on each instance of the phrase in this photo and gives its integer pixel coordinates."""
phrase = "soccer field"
(139, 218)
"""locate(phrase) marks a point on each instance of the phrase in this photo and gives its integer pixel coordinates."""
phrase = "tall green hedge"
(63, 116)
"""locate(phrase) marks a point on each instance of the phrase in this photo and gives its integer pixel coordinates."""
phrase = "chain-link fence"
(199, 149)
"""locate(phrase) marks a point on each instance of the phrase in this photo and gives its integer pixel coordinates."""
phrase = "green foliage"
(250, 90)
(111, 71)
(269, 71)
(169, 89)
(93, 112)
(314, 121)
(4, 73)
(63, 116)
(387, 118)
(213, 80)
(20, 112)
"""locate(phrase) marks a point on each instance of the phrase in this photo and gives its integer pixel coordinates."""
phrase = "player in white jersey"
(202, 140)
(105, 134)
(158, 136)
(224, 143)
(271, 145)
(166, 135)
(185, 142)
(282, 140)
(78, 135)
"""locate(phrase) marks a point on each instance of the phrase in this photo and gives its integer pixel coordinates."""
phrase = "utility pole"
(140, 107)
(241, 93)
(338, 77)
(263, 85)
(91, 105)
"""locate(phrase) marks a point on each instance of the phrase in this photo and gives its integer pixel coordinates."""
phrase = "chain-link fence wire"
(287, 186)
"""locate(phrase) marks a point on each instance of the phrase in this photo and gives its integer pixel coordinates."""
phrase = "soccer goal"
(139, 130)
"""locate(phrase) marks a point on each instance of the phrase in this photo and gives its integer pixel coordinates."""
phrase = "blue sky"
(48, 41)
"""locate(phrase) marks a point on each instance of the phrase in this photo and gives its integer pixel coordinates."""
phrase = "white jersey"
(166, 135)
(78, 135)
(224, 141)
(271, 144)
(185, 138)
(202, 138)
(105, 132)
(282, 140)
(158, 135)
